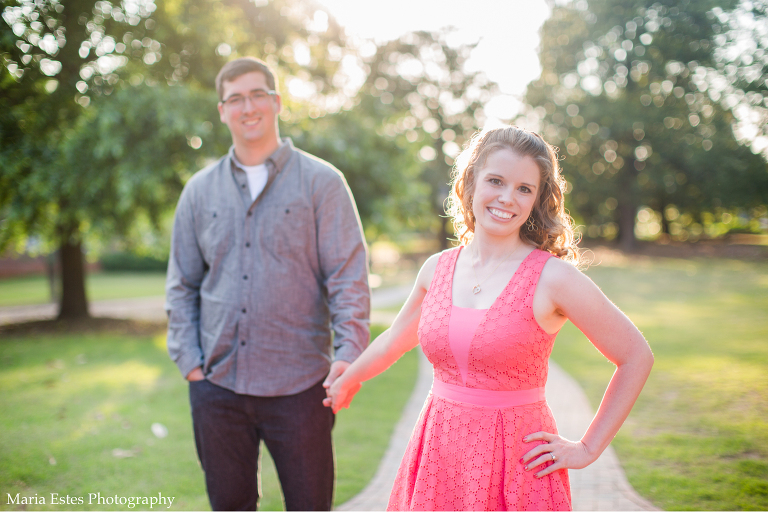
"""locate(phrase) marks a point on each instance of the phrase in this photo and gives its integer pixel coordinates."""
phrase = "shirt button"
(247, 244)
(245, 277)
(243, 185)
(242, 342)
(249, 213)
(243, 310)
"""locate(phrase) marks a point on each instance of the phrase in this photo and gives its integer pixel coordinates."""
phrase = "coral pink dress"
(490, 368)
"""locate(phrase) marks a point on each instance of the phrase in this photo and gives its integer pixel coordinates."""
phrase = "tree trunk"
(664, 221)
(627, 208)
(627, 213)
(443, 234)
(73, 302)
(50, 271)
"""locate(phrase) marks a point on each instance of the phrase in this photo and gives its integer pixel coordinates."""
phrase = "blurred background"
(659, 109)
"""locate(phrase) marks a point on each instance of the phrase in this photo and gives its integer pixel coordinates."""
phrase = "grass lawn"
(78, 410)
(99, 286)
(697, 438)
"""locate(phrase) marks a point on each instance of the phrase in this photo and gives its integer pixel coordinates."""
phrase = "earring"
(531, 223)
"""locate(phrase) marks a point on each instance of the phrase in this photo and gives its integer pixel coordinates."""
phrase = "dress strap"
(539, 259)
(440, 285)
(523, 288)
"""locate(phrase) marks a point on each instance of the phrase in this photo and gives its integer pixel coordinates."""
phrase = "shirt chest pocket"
(217, 232)
(290, 228)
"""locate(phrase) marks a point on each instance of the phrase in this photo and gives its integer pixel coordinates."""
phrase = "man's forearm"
(344, 261)
(183, 308)
(186, 269)
(184, 340)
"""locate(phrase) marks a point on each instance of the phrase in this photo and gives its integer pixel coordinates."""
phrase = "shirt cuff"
(347, 352)
(188, 362)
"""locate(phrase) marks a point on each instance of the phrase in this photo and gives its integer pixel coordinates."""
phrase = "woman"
(486, 314)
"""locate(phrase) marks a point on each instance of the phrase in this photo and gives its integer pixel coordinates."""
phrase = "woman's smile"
(505, 192)
(500, 213)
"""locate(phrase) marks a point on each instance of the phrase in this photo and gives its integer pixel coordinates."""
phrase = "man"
(267, 252)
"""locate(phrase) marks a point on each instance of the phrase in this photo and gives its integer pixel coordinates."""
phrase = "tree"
(382, 171)
(418, 87)
(742, 64)
(46, 52)
(298, 39)
(85, 147)
(626, 95)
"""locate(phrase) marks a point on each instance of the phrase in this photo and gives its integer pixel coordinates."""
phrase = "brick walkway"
(143, 308)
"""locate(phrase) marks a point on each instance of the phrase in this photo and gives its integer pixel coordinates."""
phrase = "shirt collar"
(278, 159)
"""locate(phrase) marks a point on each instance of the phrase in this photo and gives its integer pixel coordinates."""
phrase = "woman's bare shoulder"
(558, 273)
(427, 272)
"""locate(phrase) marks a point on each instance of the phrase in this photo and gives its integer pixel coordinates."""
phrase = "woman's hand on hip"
(563, 454)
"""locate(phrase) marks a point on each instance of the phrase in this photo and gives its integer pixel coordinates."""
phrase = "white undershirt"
(257, 178)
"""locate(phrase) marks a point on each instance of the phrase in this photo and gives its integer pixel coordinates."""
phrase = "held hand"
(339, 391)
(340, 395)
(337, 368)
(564, 454)
(195, 375)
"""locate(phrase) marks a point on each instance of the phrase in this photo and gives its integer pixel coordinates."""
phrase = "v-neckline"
(513, 278)
(465, 378)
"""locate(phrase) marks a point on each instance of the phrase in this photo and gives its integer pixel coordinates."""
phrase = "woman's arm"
(574, 296)
(388, 347)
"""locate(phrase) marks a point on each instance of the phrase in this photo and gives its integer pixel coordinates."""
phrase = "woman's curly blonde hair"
(549, 227)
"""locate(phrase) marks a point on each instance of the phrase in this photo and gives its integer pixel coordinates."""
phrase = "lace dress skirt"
(466, 456)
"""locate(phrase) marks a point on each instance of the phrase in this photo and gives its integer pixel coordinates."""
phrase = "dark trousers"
(296, 430)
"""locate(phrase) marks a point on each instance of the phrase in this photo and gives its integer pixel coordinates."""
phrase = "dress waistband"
(487, 397)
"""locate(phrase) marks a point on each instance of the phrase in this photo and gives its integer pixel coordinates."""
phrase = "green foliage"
(52, 53)
(629, 92)
(696, 438)
(425, 99)
(199, 36)
(106, 111)
(100, 125)
(127, 261)
(383, 173)
(125, 158)
(397, 143)
(743, 62)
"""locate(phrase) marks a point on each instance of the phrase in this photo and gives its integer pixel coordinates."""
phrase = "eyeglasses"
(257, 97)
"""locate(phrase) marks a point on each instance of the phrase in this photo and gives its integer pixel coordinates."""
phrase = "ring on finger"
(554, 458)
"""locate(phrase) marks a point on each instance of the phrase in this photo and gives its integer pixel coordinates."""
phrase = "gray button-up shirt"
(255, 287)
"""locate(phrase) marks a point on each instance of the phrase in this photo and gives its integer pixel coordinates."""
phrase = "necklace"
(477, 289)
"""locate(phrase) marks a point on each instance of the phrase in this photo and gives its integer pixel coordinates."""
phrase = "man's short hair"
(242, 66)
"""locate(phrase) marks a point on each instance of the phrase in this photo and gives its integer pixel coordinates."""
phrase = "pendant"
(476, 289)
